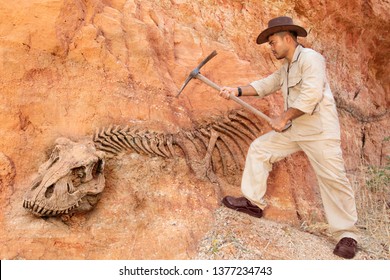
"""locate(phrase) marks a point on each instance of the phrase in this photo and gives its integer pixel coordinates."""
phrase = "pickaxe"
(196, 74)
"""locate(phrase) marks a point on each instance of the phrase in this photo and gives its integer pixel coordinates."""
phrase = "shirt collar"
(297, 52)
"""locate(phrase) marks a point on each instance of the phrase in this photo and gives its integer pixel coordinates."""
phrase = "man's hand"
(278, 123)
(226, 91)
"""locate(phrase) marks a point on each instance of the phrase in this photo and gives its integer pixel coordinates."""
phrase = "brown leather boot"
(346, 248)
(242, 204)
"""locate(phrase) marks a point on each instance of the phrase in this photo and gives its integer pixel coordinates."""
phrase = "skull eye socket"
(49, 191)
(97, 169)
(78, 175)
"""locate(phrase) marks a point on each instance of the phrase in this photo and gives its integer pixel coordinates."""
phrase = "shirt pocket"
(293, 88)
(293, 81)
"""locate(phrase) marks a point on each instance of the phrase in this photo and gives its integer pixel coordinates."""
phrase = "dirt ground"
(238, 236)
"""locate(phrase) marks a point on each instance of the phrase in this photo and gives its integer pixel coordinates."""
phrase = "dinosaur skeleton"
(72, 179)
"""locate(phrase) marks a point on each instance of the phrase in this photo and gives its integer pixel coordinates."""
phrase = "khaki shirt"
(304, 86)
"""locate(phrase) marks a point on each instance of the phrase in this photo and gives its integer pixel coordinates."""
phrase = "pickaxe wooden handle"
(234, 98)
(196, 74)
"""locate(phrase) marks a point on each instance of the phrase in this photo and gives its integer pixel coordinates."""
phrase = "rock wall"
(71, 66)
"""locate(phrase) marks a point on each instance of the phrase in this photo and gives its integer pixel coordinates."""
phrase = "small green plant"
(214, 246)
(378, 178)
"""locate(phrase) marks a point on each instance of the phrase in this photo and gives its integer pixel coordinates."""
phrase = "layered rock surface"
(69, 67)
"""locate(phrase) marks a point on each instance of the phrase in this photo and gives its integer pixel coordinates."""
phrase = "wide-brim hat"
(280, 24)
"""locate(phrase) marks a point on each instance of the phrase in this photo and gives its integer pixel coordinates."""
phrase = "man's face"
(278, 45)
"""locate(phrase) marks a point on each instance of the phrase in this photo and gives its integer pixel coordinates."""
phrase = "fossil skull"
(70, 181)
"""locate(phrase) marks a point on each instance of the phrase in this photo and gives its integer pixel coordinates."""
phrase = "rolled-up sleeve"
(313, 83)
(268, 85)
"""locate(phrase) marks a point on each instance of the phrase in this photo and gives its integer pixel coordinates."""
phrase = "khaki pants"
(326, 159)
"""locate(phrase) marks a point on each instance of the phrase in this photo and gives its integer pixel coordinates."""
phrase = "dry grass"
(372, 191)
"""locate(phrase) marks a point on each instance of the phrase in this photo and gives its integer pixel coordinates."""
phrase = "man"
(310, 107)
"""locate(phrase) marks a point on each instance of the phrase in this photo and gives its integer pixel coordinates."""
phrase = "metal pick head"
(184, 85)
(210, 56)
(195, 72)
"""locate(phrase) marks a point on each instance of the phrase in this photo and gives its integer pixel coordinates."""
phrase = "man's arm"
(259, 88)
(246, 91)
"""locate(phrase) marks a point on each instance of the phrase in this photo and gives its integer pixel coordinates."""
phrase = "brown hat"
(280, 24)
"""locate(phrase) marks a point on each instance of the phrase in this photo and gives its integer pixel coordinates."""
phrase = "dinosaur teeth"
(26, 204)
(35, 208)
(43, 211)
(40, 209)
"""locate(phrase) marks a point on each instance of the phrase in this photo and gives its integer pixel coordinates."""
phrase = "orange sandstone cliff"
(68, 67)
